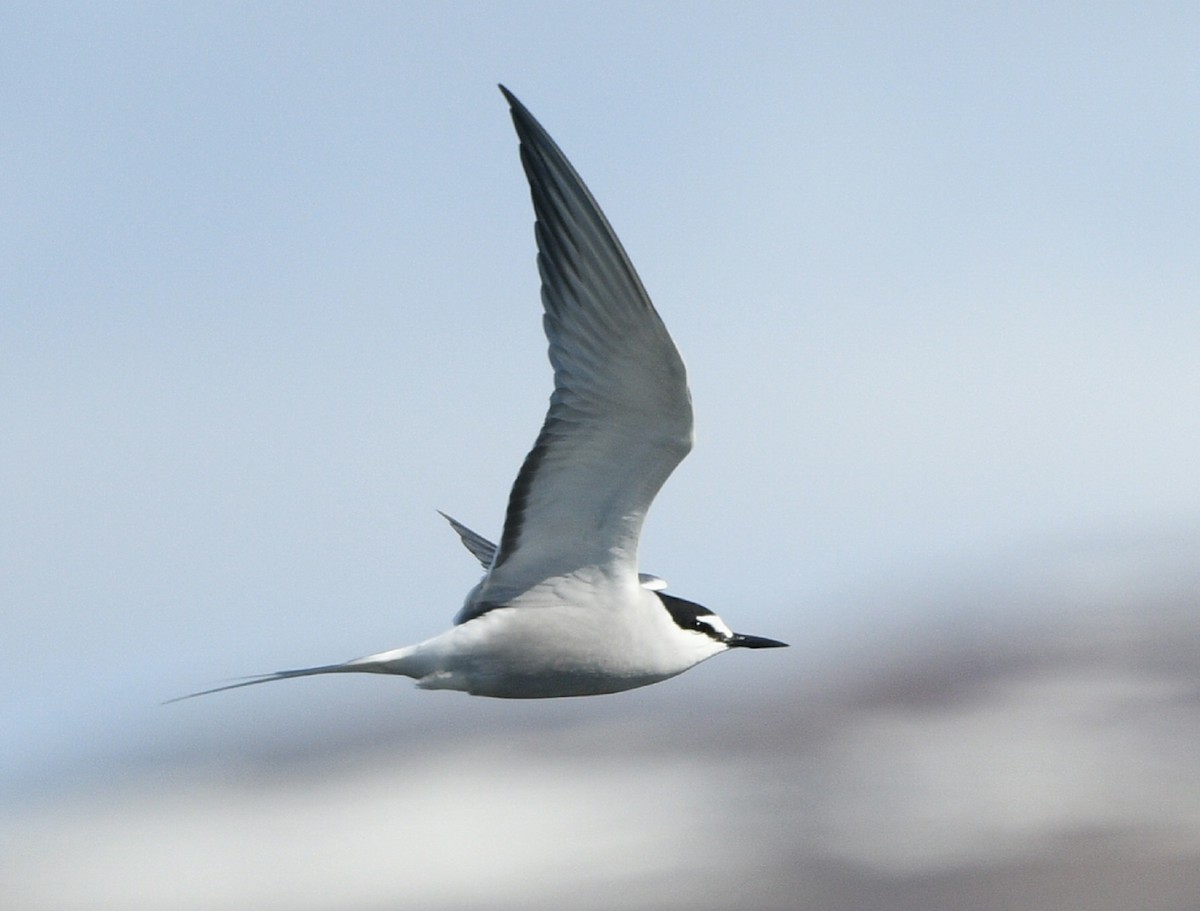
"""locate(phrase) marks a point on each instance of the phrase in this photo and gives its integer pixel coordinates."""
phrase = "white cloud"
(471, 828)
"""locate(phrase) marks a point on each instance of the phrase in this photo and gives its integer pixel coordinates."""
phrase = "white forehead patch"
(716, 623)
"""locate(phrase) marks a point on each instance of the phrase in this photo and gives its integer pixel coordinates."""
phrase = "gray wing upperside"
(485, 551)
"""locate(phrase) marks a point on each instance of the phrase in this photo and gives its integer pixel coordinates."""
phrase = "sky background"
(268, 300)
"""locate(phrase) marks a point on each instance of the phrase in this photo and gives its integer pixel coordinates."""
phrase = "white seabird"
(562, 609)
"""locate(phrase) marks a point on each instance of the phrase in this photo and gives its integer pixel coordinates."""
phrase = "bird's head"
(716, 636)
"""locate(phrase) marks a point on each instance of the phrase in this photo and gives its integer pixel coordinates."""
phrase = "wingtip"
(520, 114)
(513, 101)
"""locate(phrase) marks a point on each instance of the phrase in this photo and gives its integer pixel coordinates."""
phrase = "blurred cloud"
(440, 833)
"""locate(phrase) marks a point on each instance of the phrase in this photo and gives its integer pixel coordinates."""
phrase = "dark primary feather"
(483, 549)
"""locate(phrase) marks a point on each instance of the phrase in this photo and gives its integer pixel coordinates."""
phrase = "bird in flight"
(562, 609)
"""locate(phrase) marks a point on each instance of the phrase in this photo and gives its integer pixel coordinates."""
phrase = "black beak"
(737, 640)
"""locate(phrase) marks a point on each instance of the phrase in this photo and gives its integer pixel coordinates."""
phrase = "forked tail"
(372, 664)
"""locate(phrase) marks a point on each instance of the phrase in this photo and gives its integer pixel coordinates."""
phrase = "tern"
(562, 609)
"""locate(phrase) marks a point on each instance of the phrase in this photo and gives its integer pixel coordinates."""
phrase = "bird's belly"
(551, 684)
(517, 654)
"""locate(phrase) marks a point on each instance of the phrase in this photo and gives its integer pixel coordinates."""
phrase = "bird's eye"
(702, 626)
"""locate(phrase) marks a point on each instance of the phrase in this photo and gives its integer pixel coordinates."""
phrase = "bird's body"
(562, 609)
(570, 646)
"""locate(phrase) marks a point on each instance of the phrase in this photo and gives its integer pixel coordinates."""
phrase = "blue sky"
(269, 300)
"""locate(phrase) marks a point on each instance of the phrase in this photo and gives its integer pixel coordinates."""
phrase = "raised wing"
(620, 417)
